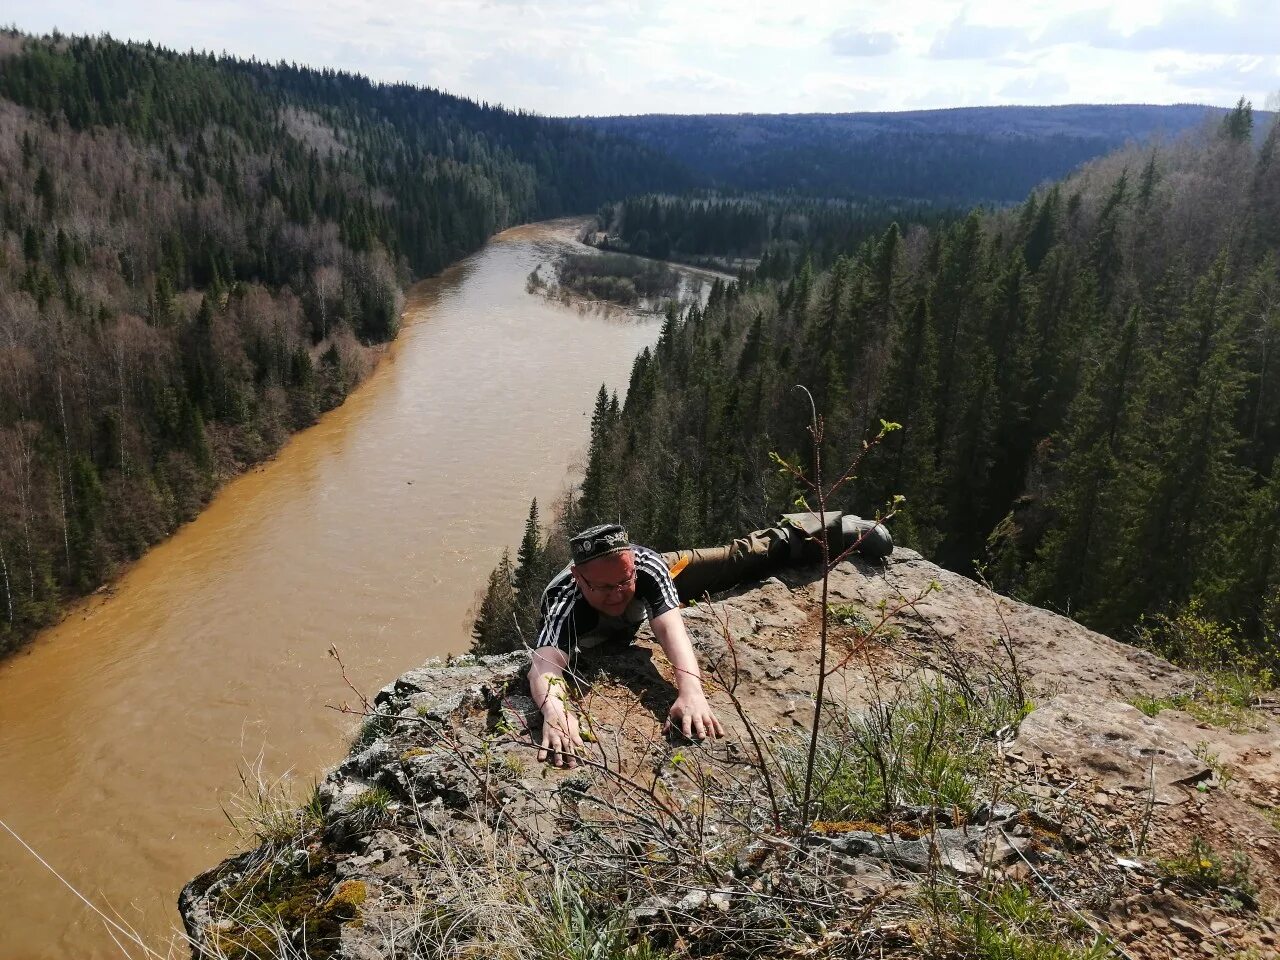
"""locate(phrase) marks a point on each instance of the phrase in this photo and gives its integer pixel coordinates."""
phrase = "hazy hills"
(960, 156)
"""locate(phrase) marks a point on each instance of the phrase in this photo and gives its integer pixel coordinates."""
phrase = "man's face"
(608, 582)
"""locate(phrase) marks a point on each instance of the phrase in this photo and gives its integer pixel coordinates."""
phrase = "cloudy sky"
(729, 56)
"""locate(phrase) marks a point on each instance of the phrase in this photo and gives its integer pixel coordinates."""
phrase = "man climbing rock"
(612, 586)
(606, 593)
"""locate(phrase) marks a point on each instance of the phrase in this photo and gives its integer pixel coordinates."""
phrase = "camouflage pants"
(794, 541)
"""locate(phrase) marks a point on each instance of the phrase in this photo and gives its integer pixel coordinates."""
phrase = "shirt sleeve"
(654, 583)
(556, 617)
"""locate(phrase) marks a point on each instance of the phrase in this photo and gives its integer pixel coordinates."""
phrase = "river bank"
(124, 725)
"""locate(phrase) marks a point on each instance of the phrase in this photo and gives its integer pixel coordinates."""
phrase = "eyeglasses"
(610, 587)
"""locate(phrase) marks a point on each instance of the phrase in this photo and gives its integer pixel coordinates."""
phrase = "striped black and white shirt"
(569, 622)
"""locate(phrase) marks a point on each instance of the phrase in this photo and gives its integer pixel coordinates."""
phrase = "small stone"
(1018, 872)
(1001, 851)
(1192, 930)
(692, 900)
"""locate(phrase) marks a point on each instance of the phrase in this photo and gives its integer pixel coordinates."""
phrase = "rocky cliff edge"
(989, 775)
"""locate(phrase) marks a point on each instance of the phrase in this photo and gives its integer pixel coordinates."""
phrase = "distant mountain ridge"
(957, 156)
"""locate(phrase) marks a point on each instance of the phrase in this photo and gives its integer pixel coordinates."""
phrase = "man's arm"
(560, 736)
(691, 712)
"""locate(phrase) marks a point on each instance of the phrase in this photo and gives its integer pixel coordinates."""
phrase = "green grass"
(371, 809)
(1209, 758)
(497, 910)
(1201, 867)
(513, 765)
(850, 615)
(931, 745)
(571, 927)
(372, 728)
(1273, 816)
(264, 812)
(1224, 702)
(1004, 922)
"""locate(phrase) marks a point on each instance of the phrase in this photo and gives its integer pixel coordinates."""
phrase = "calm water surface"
(121, 729)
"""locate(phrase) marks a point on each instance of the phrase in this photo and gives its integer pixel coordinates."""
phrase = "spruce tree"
(598, 501)
(530, 574)
(494, 630)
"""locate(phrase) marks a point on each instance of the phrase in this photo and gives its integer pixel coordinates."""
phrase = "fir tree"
(494, 630)
(530, 574)
(598, 500)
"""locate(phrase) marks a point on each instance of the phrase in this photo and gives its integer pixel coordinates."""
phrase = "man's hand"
(561, 740)
(693, 716)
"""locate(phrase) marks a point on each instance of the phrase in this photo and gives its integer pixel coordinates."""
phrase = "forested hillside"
(778, 229)
(195, 252)
(959, 156)
(1087, 384)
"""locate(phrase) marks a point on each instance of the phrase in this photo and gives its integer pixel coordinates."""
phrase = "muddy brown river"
(122, 729)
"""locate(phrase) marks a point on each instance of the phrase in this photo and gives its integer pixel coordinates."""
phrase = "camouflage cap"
(597, 542)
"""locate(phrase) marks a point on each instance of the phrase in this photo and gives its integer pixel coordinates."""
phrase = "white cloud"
(963, 40)
(841, 92)
(1246, 27)
(852, 42)
(1223, 78)
(634, 56)
(1035, 88)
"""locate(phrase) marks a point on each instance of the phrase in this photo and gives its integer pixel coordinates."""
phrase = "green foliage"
(930, 744)
(494, 627)
(1002, 922)
(375, 799)
(955, 156)
(616, 277)
(370, 810)
(530, 576)
(572, 927)
(1203, 752)
(598, 502)
(778, 230)
(1237, 125)
(1086, 399)
(1194, 640)
(371, 728)
(1230, 672)
(265, 812)
(850, 615)
(1202, 868)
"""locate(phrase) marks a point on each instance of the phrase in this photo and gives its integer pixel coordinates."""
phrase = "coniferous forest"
(197, 252)
(777, 229)
(953, 157)
(198, 255)
(1087, 385)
